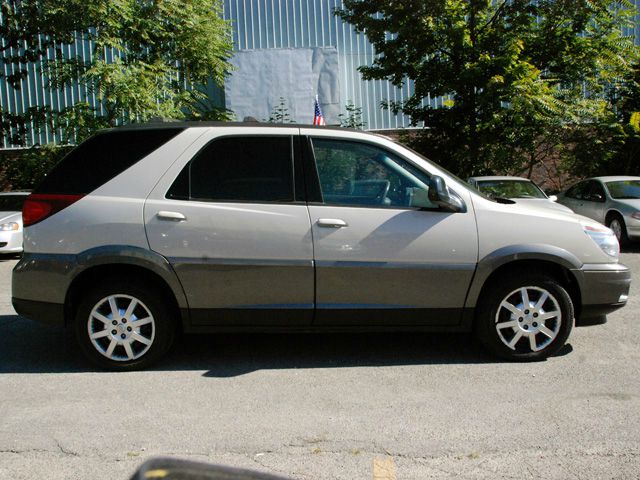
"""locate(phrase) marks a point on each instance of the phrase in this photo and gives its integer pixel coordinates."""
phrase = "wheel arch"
(125, 262)
(554, 261)
(611, 213)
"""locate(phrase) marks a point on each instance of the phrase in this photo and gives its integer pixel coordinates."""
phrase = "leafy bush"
(25, 169)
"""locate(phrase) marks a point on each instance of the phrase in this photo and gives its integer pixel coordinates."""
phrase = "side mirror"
(553, 198)
(439, 194)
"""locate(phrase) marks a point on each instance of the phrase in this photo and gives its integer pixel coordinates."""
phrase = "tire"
(509, 330)
(121, 325)
(616, 223)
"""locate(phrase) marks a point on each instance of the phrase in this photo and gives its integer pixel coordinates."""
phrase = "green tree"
(611, 146)
(352, 118)
(509, 70)
(147, 58)
(25, 169)
(280, 113)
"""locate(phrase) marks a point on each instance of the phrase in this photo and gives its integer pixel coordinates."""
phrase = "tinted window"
(595, 192)
(576, 191)
(353, 173)
(249, 169)
(12, 203)
(101, 158)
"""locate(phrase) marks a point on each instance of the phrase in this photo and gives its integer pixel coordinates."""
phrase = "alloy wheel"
(528, 319)
(121, 328)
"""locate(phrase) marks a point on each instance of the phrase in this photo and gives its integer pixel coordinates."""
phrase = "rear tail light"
(39, 206)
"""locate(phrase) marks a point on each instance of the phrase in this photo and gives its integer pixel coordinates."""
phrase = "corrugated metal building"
(258, 25)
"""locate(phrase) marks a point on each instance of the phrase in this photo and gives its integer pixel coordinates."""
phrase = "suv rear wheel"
(525, 317)
(123, 326)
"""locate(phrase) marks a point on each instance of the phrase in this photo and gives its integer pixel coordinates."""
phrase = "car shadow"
(632, 248)
(30, 347)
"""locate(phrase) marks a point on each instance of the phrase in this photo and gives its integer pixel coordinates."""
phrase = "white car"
(612, 201)
(11, 221)
(521, 190)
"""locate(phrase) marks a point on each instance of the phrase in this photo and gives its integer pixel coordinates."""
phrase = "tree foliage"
(611, 145)
(509, 71)
(147, 57)
(352, 118)
(280, 113)
(25, 169)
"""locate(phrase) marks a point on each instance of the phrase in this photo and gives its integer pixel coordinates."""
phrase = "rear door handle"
(170, 216)
(331, 223)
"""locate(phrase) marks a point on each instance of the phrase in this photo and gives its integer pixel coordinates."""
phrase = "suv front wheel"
(524, 317)
(123, 326)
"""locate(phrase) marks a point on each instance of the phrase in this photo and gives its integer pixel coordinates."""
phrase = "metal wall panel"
(261, 24)
(257, 24)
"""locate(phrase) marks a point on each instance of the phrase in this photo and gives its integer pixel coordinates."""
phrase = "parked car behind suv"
(612, 201)
(520, 190)
(11, 221)
(142, 231)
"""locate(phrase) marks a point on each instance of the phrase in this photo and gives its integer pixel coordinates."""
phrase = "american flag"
(318, 119)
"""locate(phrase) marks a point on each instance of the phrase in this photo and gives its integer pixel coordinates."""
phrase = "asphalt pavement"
(381, 406)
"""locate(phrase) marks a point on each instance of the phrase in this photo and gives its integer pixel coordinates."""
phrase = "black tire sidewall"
(164, 324)
(485, 320)
(624, 239)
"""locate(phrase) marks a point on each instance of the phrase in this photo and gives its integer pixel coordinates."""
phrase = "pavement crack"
(64, 450)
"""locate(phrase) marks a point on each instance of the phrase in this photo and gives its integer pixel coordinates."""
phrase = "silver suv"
(142, 231)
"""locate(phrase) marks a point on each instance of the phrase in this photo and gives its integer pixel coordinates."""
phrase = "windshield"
(12, 203)
(510, 189)
(625, 189)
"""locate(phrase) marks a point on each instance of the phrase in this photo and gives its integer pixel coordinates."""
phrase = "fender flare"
(134, 256)
(513, 253)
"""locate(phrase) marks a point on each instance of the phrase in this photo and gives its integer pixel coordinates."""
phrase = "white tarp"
(262, 77)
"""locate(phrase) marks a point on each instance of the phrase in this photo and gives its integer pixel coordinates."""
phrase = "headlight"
(604, 238)
(8, 227)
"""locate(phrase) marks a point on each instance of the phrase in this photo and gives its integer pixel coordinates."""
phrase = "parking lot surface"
(405, 406)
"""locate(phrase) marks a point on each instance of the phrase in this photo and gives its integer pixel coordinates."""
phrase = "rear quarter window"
(101, 158)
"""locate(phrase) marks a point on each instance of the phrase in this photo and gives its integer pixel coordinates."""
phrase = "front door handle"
(331, 223)
(171, 216)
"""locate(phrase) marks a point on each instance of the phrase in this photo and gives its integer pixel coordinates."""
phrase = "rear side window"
(241, 169)
(101, 158)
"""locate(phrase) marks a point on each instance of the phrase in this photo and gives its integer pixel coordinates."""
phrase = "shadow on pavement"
(632, 248)
(29, 347)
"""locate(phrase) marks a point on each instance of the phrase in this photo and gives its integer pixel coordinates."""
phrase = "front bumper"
(11, 242)
(604, 288)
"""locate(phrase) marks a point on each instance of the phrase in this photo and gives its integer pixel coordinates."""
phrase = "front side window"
(353, 173)
(595, 192)
(576, 191)
(241, 169)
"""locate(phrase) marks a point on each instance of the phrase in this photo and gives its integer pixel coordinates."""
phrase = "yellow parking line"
(384, 469)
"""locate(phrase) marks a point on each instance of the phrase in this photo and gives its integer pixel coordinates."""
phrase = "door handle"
(170, 216)
(331, 223)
